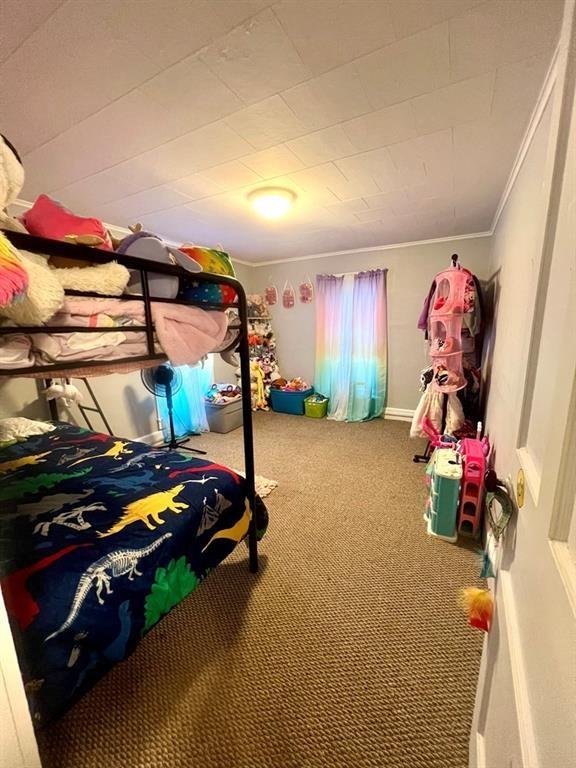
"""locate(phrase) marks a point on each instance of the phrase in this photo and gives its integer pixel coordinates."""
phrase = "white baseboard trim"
(398, 414)
(480, 751)
(519, 681)
(153, 438)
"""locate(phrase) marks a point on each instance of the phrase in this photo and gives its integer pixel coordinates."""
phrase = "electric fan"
(165, 381)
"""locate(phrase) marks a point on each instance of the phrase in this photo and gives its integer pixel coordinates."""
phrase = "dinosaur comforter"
(99, 538)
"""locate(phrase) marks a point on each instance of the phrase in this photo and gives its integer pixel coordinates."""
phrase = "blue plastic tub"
(289, 402)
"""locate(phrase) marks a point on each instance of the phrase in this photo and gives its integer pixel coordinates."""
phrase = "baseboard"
(398, 414)
(480, 751)
(518, 668)
(153, 438)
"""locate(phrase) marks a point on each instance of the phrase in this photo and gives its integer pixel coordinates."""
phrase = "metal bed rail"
(145, 267)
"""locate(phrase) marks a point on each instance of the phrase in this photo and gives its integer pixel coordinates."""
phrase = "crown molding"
(534, 122)
(372, 248)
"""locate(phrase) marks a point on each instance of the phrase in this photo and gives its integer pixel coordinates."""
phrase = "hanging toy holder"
(306, 291)
(445, 325)
(271, 294)
(288, 298)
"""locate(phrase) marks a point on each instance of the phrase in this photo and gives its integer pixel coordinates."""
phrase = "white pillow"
(18, 427)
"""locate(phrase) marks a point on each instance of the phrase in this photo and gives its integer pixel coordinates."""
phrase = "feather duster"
(479, 606)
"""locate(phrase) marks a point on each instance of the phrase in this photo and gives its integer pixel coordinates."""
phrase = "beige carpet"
(348, 650)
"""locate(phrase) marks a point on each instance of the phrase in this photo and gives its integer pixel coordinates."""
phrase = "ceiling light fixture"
(272, 202)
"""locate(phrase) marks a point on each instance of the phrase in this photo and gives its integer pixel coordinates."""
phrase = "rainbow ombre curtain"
(352, 344)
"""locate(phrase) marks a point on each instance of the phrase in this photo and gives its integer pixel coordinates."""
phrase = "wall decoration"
(306, 291)
(288, 298)
(271, 295)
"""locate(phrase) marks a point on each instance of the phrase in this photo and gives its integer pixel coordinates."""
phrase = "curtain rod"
(356, 271)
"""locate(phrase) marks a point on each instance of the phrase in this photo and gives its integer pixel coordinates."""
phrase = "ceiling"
(392, 120)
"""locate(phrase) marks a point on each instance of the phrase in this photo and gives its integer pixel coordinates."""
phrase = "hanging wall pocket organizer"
(271, 295)
(288, 297)
(306, 291)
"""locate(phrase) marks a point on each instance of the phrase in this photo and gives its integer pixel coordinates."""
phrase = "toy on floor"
(222, 394)
(259, 402)
(479, 607)
(444, 474)
(455, 478)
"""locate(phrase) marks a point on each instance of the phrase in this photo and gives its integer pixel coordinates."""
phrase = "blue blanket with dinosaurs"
(99, 538)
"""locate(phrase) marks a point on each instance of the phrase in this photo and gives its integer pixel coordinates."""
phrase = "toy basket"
(289, 401)
(316, 406)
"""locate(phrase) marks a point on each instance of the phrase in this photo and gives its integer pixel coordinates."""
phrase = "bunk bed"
(99, 536)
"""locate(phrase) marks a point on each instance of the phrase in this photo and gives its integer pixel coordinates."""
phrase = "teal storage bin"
(289, 402)
(446, 475)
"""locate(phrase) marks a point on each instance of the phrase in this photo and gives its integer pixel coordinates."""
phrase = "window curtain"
(352, 344)
(189, 408)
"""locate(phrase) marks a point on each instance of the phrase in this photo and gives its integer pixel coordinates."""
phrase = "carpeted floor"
(348, 650)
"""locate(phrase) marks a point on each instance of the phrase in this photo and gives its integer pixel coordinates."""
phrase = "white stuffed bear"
(11, 182)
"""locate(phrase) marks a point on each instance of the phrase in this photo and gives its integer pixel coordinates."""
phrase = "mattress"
(99, 538)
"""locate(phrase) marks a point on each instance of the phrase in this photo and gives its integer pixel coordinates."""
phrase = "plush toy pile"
(264, 370)
(222, 394)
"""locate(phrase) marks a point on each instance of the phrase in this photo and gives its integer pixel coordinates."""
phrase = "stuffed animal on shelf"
(11, 182)
(13, 275)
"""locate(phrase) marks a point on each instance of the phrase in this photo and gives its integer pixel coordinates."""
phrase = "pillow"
(211, 260)
(17, 428)
(48, 218)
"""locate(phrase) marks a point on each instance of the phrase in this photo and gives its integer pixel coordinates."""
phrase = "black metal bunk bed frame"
(144, 267)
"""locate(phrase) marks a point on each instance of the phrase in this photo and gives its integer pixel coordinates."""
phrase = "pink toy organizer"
(445, 329)
(471, 491)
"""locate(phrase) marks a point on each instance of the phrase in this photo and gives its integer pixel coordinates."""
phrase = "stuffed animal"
(11, 182)
(257, 387)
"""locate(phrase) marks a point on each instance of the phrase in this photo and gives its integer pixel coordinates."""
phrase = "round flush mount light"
(272, 202)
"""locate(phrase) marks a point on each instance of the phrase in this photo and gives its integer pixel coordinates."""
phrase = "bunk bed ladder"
(94, 408)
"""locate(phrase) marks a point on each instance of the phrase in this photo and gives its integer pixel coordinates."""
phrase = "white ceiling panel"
(390, 120)
(275, 161)
(69, 68)
(410, 67)
(500, 32)
(383, 127)
(19, 20)
(257, 59)
(323, 146)
(326, 100)
(327, 33)
(192, 92)
(267, 123)
(412, 16)
(459, 103)
(132, 208)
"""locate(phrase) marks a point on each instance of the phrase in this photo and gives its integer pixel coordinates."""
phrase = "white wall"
(410, 273)
(529, 671)
(19, 397)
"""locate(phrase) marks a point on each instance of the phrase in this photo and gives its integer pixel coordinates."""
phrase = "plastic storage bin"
(316, 406)
(224, 418)
(444, 494)
(289, 402)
